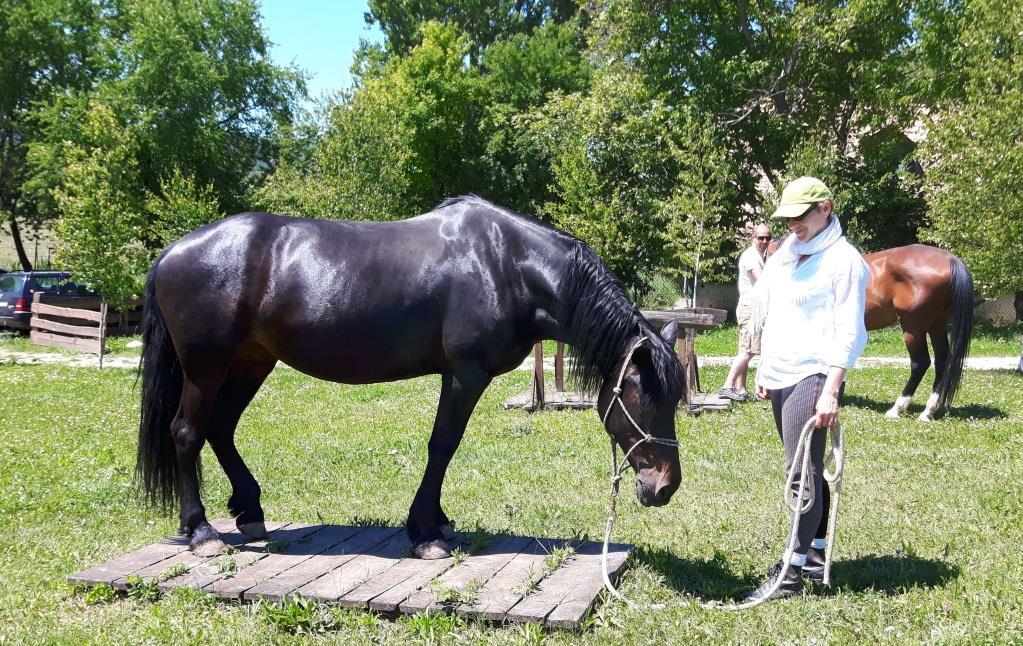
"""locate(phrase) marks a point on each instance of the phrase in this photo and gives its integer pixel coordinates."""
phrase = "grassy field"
(928, 548)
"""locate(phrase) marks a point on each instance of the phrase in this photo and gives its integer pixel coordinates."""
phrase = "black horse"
(463, 291)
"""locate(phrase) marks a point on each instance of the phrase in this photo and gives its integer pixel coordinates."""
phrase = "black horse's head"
(637, 405)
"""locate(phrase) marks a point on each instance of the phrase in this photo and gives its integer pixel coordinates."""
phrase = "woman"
(811, 299)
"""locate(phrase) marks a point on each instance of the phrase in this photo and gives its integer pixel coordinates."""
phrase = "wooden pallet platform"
(556, 400)
(370, 568)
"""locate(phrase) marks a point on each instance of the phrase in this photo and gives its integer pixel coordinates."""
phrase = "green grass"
(928, 547)
(987, 341)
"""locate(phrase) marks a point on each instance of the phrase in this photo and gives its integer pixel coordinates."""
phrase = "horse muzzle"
(656, 493)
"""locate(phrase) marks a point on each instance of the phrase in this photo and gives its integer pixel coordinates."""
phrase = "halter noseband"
(644, 436)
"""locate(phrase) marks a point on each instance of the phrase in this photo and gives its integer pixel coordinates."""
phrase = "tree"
(972, 156)
(482, 21)
(395, 147)
(777, 78)
(633, 176)
(46, 49)
(190, 101)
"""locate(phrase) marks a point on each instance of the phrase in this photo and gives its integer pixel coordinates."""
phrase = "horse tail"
(156, 466)
(962, 329)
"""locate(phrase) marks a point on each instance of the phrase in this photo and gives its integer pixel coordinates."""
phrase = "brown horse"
(924, 289)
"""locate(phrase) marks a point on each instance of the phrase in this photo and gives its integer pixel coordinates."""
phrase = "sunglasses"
(768, 238)
(805, 213)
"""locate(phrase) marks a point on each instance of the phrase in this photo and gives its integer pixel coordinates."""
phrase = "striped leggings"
(792, 407)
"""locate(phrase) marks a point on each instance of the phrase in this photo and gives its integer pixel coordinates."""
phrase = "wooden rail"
(78, 323)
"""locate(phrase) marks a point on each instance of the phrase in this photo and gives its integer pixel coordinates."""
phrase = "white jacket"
(813, 313)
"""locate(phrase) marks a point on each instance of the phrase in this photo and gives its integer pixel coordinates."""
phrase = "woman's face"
(812, 222)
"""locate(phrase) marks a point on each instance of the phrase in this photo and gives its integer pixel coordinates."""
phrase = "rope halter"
(644, 437)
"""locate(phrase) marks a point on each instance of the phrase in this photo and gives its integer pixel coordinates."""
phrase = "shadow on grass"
(968, 411)
(890, 574)
(713, 581)
(707, 580)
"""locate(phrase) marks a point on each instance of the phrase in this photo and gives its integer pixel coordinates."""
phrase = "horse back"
(910, 284)
(360, 301)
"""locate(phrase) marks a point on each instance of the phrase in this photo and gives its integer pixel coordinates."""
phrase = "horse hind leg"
(188, 431)
(250, 368)
(919, 362)
(939, 341)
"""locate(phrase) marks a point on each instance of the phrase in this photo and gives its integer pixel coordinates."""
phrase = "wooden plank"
(697, 318)
(477, 568)
(216, 568)
(74, 330)
(128, 563)
(333, 548)
(405, 578)
(571, 612)
(67, 312)
(57, 341)
(559, 367)
(69, 300)
(504, 589)
(539, 395)
(228, 533)
(571, 589)
(356, 562)
(268, 567)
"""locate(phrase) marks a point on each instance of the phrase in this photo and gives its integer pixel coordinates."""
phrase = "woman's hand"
(763, 393)
(827, 410)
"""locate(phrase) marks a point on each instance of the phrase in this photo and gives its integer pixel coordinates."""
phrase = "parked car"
(17, 289)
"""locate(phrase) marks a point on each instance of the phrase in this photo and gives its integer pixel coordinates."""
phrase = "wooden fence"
(80, 323)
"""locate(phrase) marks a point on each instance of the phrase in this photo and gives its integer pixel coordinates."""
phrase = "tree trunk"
(26, 264)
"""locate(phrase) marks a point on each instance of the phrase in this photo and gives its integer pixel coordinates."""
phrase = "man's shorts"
(748, 341)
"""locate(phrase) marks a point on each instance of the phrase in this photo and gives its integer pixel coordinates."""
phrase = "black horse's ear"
(670, 332)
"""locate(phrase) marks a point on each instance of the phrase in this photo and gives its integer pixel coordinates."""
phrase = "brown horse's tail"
(962, 329)
(156, 467)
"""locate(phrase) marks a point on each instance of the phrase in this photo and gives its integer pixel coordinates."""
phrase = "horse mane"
(598, 319)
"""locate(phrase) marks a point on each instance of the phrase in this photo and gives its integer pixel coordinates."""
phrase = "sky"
(318, 36)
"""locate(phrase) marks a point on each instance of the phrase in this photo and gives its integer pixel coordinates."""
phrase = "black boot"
(814, 568)
(791, 583)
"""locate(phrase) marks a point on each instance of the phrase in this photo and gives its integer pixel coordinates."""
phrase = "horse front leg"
(188, 430)
(426, 520)
(919, 362)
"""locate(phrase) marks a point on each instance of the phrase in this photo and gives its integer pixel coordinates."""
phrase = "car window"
(43, 283)
(11, 283)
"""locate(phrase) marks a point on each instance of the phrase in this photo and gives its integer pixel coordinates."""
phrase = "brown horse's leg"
(939, 341)
(919, 362)
(188, 431)
(458, 397)
(251, 366)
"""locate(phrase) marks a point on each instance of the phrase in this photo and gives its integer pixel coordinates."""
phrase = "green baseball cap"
(799, 194)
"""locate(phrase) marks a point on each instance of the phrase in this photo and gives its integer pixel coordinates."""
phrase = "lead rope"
(797, 505)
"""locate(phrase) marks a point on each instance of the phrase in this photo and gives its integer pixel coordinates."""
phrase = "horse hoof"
(431, 550)
(206, 541)
(447, 532)
(210, 547)
(924, 417)
(892, 414)
(256, 530)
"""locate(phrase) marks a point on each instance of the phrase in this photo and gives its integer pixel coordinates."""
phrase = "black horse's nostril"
(665, 492)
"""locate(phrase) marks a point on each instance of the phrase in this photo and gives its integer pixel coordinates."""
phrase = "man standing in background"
(751, 263)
